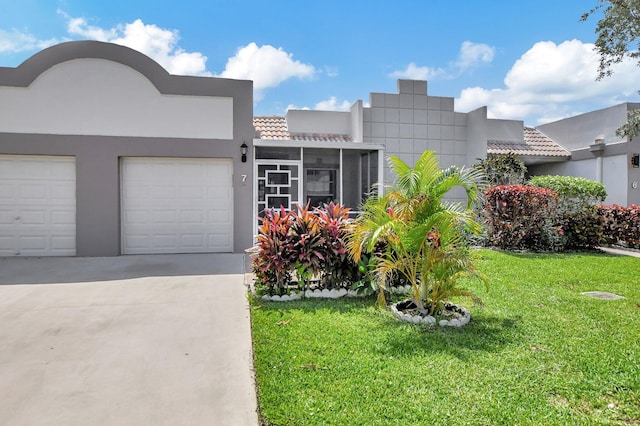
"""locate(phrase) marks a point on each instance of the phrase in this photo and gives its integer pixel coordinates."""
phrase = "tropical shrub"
(338, 269)
(299, 247)
(305, 247)
(270, 266)
(621, 225)
(573, 192)
(503, 169)
(411, 232)
(516, 217)
(576, 211)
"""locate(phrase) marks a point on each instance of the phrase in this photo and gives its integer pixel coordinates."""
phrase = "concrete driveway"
(131, 340)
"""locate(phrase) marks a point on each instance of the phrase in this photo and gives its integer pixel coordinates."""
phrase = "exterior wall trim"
(27, 72)
(609, 151)
(325, 145)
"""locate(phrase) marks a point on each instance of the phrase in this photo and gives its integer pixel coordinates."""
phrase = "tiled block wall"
(410, 122)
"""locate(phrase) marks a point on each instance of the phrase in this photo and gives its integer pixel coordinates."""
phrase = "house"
(103, 153)
(340, 155)
(410, 121)
(597, 153)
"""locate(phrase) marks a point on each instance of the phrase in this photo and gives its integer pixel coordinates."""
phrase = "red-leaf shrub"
(304, 244)
(621, 224)
(338, 269)
(271, 265)
(517, 217)
(581, 229)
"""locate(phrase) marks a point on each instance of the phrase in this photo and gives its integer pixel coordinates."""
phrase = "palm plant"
(412, 232)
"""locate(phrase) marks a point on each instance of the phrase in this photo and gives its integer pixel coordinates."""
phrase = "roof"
(275, 128)
(535, 144)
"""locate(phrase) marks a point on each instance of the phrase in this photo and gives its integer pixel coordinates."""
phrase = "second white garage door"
(176, 205)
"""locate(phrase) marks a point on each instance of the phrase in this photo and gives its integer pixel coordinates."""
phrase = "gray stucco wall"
(578, 133)
(582, 130)
(98, 157)
(411, 122)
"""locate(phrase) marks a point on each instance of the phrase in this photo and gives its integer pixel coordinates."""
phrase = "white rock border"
(326, 294)
(313, 294)
(431, 321)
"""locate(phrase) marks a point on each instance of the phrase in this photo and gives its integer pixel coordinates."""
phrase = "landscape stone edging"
(431, 321)
(326, 294)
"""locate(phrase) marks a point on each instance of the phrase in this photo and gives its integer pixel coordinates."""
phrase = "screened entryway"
(287, 175)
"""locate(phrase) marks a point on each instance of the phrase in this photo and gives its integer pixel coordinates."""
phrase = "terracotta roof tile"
(275, 128)
(535, 143)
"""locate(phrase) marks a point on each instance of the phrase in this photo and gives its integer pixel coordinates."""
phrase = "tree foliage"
(503, 169)
(618, 38)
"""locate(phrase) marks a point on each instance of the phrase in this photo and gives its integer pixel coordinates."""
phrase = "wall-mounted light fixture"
(635, 161)
(243, 149)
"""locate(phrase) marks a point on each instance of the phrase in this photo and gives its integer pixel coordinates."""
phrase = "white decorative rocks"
(313, 294)
(429, 320)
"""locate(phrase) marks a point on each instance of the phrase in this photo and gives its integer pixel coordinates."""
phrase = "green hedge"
(576, 213)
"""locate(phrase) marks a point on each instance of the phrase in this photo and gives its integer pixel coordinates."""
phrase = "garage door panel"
(190, 217)
(63, 217)
(167, 192)
(165, 241)
(192, 241)
(137, 242)
(62, 243)
(164, 217)
(218, 240)
(59, 193)
(132, 217)
(32, 243)
(6, 217)
(183, 205)
(37, 205)
(219, 217)
(191, 192)
(32, 192)
(32, 217)
(7, 245)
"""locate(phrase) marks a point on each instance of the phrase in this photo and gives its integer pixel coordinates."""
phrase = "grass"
(538, 353)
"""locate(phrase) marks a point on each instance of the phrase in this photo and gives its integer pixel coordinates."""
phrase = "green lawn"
(538, 353)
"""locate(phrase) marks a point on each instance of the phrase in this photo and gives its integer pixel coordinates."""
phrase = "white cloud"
(266, 66)
(295, 107)
(79, 26)
(551, 81)
(332, 104)
(15, 41)
(330, 71)
(414, 72)
(472, 54)
(157, 43)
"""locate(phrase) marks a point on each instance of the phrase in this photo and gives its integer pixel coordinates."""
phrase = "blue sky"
(531, 61)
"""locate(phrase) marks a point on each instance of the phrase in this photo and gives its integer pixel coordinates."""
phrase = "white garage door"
(37, 205)
(176, 205)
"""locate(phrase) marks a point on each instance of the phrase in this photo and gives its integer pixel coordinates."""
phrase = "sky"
(525, 60)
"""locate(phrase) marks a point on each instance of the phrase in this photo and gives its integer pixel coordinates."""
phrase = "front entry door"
(278, 184)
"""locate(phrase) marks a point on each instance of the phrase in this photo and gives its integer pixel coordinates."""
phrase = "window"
(320, 185)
